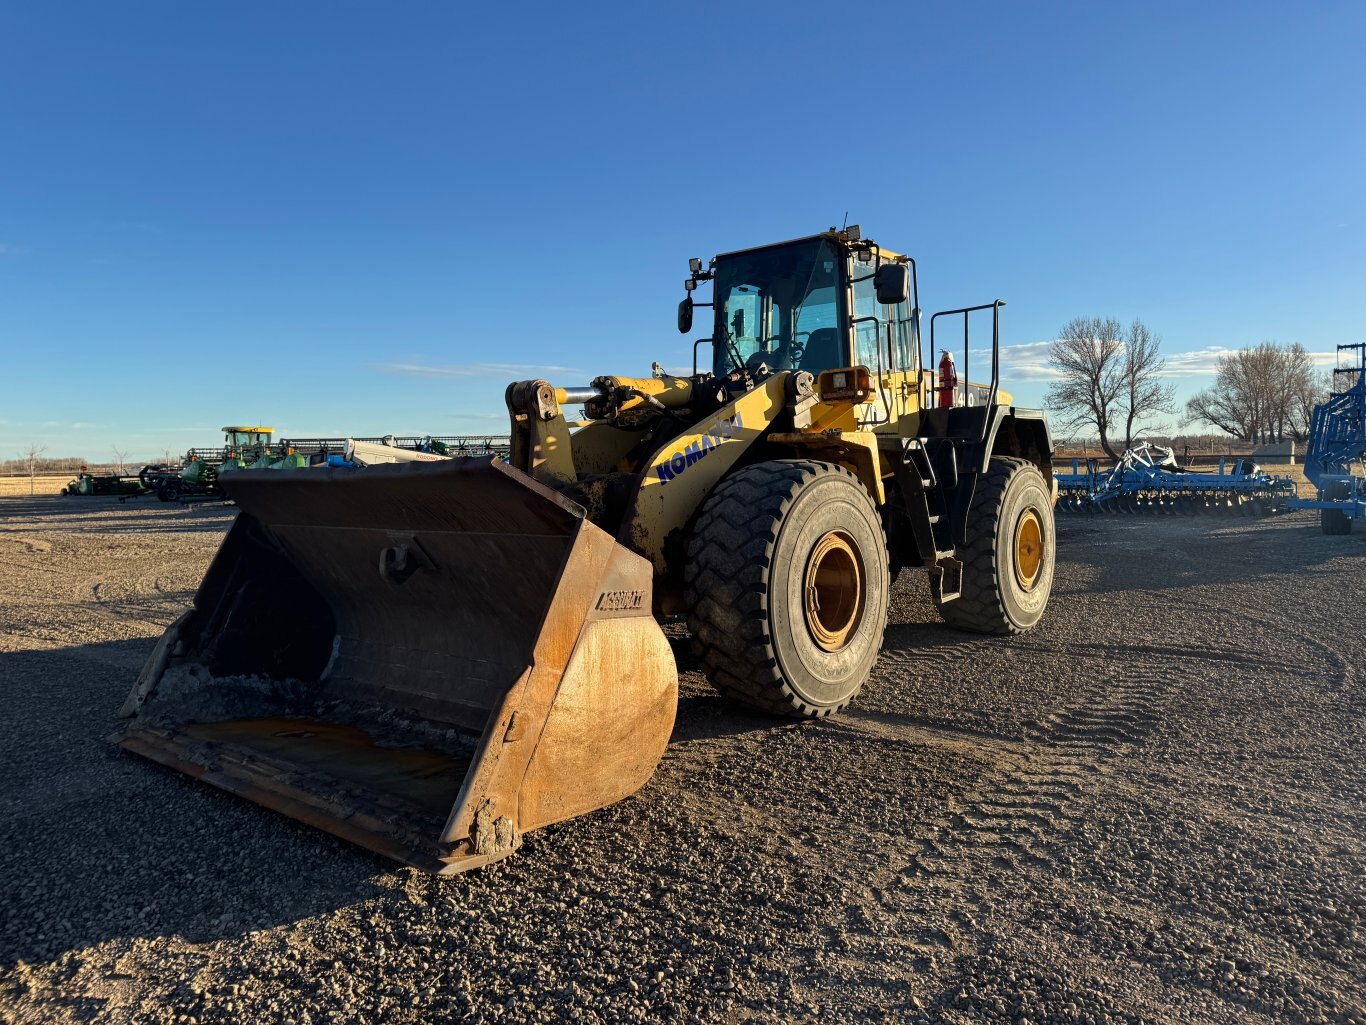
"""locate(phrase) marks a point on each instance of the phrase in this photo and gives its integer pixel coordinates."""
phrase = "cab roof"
(248, 430)
(837, 236)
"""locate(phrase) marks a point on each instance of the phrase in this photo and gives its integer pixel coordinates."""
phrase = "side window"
(907, 342)
(868, 334)
(742, 319)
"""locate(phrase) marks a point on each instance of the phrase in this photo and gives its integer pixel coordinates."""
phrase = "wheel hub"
(833, 590)
(1028, 549)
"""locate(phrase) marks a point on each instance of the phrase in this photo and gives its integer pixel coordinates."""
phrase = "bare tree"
(1145, 393)
(31, 457)
(1110, 381)
(1264, 392)
(1307, 388)
(120, 457)
(1233, 405)
(1088, 354)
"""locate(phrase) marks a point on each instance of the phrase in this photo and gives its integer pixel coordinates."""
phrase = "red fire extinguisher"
(948, 379)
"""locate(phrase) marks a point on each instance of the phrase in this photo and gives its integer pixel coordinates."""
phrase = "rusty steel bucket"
(427, 659)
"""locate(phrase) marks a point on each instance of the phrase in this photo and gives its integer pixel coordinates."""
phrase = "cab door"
(886, 342)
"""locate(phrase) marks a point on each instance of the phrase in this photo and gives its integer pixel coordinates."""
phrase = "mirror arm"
(700, 341)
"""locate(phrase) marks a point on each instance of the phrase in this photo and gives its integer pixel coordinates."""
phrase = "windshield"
(779, 306)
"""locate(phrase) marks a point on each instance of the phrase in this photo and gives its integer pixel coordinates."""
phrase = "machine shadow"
(1231, 550)
(704, 714)
(104, 845)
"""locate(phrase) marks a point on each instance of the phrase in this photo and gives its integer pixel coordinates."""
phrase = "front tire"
(1009, 556)
(786, 583)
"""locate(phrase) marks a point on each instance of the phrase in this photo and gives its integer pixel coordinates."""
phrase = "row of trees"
(1262, 393)
(1110, 382)
(34, 461)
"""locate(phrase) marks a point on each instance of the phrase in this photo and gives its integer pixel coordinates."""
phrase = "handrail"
(965, 312)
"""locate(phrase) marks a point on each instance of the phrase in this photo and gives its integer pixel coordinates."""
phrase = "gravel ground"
(1150, 809)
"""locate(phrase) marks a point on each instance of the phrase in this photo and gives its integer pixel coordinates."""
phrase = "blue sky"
(366, 218)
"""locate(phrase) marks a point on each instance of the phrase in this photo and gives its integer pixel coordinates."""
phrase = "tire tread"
(732, 545)
(979, 608)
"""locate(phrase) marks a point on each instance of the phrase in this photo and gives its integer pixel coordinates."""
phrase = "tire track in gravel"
(1346, 671)
(1011, 825)
(158, 609)
(1013, 829)
(1217, 654)
(912, 660)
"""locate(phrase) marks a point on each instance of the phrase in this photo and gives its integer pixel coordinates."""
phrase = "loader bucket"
(428, 659)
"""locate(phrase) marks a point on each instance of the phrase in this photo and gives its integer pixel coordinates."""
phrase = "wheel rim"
(1028, 549)
(833, 590)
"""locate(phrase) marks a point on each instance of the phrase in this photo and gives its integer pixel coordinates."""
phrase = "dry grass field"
(51, 484)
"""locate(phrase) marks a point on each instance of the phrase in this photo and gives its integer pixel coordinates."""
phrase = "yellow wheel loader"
(433, 658)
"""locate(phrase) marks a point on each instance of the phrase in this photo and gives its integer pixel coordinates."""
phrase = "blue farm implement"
(1337, 446)
(1148, 480)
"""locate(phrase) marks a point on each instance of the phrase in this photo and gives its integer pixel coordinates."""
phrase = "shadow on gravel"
(102, 845)
(709, 715)
(138, 516)
(1226, 551)
(934, 639)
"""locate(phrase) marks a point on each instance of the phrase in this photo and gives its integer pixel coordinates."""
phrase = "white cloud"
(1029, 362)
(1205, 362)
(1196, 363)
(1026, 362)
(508, 370)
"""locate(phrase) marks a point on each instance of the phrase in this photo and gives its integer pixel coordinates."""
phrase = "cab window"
(870, 335)
(870, 321)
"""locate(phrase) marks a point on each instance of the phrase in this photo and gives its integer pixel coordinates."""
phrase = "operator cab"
(819, 303)
(247, 437)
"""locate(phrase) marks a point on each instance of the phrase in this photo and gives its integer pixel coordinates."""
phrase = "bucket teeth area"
(332, 776)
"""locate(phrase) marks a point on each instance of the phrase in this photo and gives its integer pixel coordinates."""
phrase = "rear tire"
(786, 582)
(1335, 521)
(1010, 552)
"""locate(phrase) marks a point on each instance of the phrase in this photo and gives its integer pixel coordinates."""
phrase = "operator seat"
(822, 350)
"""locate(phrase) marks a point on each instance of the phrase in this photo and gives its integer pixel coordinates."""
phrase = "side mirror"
(685, 315)
(893, 283)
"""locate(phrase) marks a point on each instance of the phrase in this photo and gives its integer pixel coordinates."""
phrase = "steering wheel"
(780, 359)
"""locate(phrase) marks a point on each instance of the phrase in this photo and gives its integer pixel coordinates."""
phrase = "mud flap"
(463, 600)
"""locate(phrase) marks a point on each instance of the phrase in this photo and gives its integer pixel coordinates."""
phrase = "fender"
(1009, 431)
(685, 470)
(1020, 431)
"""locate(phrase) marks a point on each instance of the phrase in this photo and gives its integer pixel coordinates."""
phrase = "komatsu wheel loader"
(432, 659)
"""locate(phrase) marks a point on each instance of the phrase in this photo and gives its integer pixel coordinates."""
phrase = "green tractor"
(87, 483)
(242, 446)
